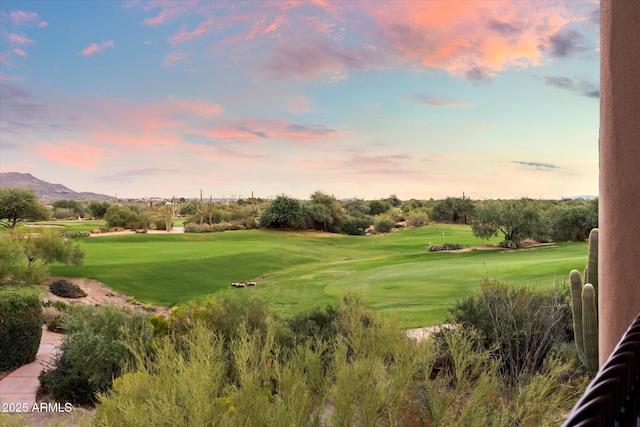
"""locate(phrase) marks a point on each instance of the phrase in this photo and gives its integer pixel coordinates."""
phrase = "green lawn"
(297, 271)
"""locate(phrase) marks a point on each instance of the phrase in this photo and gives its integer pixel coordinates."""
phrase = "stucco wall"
(619, 245)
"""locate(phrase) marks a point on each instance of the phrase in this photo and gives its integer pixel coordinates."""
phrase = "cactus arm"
(590, 328)
(592, 261)
(576, 309)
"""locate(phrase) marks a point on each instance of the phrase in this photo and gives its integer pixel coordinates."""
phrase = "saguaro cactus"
(584, 304)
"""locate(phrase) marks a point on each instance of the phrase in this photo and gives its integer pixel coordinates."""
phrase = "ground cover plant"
(297, 271)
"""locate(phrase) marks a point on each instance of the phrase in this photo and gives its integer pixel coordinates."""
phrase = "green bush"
(353, 369)
(197, 228)
(384, 225)
(93, 351)
(445, 247)
(20, 330)
(64, 288)
(75, 234)
(356, 225)
(417, 219)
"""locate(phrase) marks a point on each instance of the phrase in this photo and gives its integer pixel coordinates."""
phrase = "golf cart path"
(20, 386)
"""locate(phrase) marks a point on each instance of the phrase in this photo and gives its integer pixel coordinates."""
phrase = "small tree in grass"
(516, 220)
(19, 205)
(26, 256)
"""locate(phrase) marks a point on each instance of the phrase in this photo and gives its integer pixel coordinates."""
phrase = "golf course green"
(297, 271)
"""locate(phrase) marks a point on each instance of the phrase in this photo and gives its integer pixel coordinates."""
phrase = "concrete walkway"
(21, 385)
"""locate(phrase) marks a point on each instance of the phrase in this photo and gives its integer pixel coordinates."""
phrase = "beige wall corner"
(619, 245)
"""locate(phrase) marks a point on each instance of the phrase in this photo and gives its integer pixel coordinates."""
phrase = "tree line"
(513, 220)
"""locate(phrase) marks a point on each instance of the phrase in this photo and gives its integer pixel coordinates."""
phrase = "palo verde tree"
(283, 212)
(453, 209)
(98, 208)
(324, 212)
(18, 205)
(516, 220)
(25, 257)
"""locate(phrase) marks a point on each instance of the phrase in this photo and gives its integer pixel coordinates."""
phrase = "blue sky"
(496, 99)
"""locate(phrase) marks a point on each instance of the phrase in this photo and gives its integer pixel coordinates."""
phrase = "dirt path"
(99, 293)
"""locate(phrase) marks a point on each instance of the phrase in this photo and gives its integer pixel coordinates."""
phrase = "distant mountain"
(46, 190)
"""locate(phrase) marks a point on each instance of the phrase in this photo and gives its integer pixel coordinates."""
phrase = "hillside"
(46, 190)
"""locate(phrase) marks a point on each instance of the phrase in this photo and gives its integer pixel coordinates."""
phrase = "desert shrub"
(75, 234)
(125, 216)
(522, 323)
(65, 382)
(250, 223)
(204, 228)
(93, 351)
(52, 315)
(160, 224)
(313, 324)
(231, 226)
(417, 219)
(159, 325)
(64, 288)
(384, 224)
(356, 225)
(191, 227)
(54, 324)
(377, 207)
(98, 209)
(49, 313)
(20, 330)
(61, 306)
(64, 213)
(444, 247)
(363, 365)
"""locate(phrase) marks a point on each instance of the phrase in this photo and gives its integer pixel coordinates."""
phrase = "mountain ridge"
(46, 190)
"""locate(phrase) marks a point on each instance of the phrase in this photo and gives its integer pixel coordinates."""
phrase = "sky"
(422, 99)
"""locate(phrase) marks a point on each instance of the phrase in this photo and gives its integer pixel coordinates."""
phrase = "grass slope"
(299, 270)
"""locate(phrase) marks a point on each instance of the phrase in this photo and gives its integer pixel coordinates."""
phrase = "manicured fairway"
(297, 271)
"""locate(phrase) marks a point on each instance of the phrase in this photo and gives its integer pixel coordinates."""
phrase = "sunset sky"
(496, 99)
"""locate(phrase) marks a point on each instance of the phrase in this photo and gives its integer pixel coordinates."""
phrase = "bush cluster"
(66, 289)
(75, 234)
(212, 228)
(384, 224)
(230, 362)
(417, 219)
(20, 330)
(93, 351)
(204, 228)
(445, 247)
(53, 312)
(520, 324)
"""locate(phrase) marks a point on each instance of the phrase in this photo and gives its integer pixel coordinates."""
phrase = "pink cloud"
(439, 101)
(155, 126)
(474, 40)
(43, 24)
(158, 19)
(298, 105)
(96, 48)
(174, 57)
(20, 52)
(70, 153)
(183, 36)
(18, 39)
(198, 106)
(270, 130)
(20, 17)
